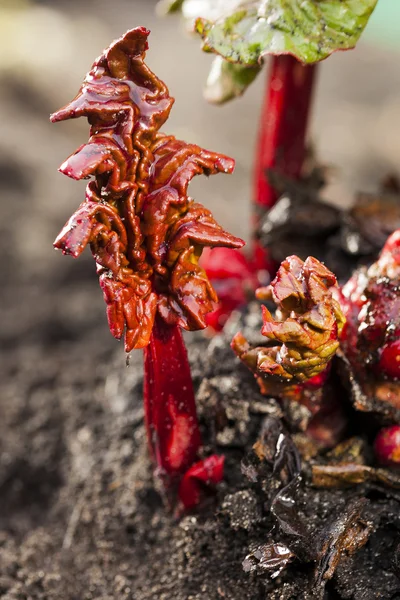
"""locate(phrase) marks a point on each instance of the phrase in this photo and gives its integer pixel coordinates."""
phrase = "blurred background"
(47, 47)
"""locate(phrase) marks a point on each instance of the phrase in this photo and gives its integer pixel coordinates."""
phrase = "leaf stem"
(283, 129)
(170, 409)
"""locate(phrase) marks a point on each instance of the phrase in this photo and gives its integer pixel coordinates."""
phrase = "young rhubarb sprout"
(146, 235)
(303, 337)
(370, 340)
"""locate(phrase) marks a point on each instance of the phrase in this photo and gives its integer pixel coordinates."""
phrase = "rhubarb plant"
(370, 344)
(147, 235)
(298, 34)
(303, 336)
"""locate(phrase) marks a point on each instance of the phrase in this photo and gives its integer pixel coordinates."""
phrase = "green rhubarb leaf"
(228, 80)
(310, 30)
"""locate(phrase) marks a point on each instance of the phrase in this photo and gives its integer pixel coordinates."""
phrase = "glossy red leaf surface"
(145, 233)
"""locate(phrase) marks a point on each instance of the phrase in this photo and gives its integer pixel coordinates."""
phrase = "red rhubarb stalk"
(170, 409)
(283, 128)
(281, 146)
(284, 121)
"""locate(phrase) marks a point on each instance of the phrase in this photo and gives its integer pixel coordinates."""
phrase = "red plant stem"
(170, 409)
(284, 119)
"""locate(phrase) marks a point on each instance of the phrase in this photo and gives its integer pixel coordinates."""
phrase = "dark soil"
(81, 518)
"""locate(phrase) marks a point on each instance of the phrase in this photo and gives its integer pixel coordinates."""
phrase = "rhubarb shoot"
(370, 340)
(146, 234)
(303, 337)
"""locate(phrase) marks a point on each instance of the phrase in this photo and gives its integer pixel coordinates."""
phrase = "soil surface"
(80, 515)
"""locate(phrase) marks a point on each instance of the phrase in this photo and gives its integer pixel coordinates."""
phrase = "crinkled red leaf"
(191, 295)
(304, 335)
(175, 165)
(101, 155)
(91, 221)
(120, 93)
(138, 218)
(199, 228)
(131, 307)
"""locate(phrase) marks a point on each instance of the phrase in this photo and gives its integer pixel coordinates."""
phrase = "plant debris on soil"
(81, 518)
(302, 222)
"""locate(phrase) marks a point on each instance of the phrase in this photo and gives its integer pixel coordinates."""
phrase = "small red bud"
(389, 362)
(206, 472)
(387, 446)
